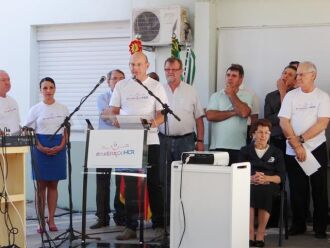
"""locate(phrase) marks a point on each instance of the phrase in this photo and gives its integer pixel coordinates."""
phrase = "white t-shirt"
(46, 119)
(303, 110)
(9, 114)
(133, 99)
(185, 104)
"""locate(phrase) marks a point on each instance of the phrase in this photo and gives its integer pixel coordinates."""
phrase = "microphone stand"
(69, 234)
(166, 110)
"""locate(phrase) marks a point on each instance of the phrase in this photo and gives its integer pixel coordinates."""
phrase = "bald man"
(130, 98)
(9, 114)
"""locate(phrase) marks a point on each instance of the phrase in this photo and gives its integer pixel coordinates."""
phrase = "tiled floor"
(107, 235)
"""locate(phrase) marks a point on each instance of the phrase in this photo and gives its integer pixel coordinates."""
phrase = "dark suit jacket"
(272, 163)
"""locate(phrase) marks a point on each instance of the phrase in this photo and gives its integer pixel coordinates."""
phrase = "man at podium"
(131, 98)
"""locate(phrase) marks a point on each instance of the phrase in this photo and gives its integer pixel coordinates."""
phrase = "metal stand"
(69, 234)
(84, 201)
(166, 110)
(141, 209)
(166, 234)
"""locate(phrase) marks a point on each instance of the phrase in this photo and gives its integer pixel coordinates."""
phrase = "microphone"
(102, 79)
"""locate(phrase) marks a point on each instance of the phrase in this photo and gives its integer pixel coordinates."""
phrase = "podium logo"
(115, 150)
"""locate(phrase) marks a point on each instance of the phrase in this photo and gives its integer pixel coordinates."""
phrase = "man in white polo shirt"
(181, 136)
(9, 114)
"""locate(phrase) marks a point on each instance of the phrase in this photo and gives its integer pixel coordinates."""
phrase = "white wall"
(271, 12)
(255, 14)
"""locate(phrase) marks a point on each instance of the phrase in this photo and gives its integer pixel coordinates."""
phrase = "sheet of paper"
(152, 136)
(131, 119)
(310, 165)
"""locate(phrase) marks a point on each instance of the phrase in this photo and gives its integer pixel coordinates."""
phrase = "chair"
(283, 214)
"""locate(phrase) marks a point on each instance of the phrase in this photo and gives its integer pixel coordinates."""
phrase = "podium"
(117, 148)
(114, 148)
(216, 202)
(15, 158)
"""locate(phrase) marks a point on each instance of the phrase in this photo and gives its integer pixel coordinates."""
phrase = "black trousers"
(154, 189)
(103, 210)
(299, 191)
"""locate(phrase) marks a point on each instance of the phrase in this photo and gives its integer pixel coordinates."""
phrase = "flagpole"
(186, 62)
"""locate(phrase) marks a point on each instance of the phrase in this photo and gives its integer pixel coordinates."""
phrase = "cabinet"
(216, 202)
(15, 159)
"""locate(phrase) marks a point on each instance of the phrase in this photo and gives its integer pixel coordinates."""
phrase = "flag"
(175, 48)
(189, 66)
(122, 190)
(146, 207)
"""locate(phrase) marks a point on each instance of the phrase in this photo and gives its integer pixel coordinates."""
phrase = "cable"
(181, 202)
(12, 231)
(39, 214)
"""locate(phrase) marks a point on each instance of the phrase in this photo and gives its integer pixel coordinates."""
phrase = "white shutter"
(77, 60)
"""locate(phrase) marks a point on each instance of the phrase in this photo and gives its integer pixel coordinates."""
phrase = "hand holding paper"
(310, 165)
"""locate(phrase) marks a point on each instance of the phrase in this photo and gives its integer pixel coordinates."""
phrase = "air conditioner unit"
(156, 26)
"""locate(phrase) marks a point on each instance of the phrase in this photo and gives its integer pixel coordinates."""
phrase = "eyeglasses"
(168, 70)
(116, 78)
(260, 132)
(303, 73)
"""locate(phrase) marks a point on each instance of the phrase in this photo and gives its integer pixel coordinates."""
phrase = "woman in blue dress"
(49, 154)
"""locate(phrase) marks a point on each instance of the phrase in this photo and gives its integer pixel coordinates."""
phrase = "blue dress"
(49, 168)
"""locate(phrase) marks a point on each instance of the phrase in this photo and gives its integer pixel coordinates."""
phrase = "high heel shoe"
(52, 228)
(259, 243)
(40, 230)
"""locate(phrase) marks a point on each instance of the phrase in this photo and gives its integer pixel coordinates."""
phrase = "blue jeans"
(173, 147)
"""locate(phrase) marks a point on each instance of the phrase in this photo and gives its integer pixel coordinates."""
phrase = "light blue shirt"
(102, 103)
(229, 133)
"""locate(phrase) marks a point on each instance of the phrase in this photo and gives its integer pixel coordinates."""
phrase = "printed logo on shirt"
(137, 97)
(271, 160)
(306, 106)
(53, 117)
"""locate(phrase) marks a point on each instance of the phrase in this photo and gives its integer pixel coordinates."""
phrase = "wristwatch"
(301, 139)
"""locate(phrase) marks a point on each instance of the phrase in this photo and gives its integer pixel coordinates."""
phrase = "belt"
(177, 136)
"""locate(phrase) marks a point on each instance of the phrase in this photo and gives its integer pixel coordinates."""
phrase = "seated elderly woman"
(267, 172)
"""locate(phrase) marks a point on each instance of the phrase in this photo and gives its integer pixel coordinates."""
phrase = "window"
(76, 56)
